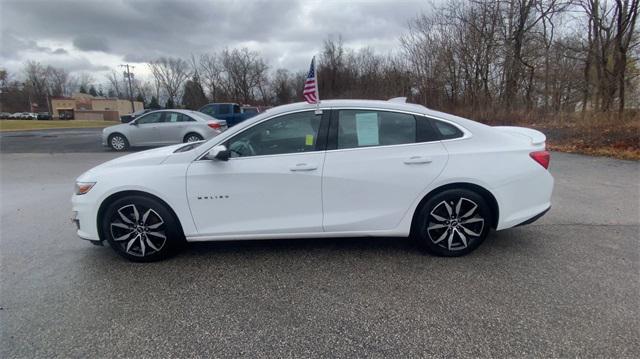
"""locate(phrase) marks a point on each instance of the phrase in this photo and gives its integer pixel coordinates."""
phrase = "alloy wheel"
(454, 225)
(118, 143)
(137, 230)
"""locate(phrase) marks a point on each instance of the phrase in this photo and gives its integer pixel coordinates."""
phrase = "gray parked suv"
(163, 127)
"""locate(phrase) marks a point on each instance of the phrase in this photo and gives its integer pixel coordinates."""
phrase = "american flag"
(310, 91)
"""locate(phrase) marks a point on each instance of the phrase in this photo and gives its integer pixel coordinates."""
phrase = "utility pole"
(128, 75)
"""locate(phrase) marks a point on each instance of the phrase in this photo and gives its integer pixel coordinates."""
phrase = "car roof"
(374, 104)
(380, 104)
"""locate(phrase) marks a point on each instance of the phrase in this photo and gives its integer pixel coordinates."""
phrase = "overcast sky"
(95, 36)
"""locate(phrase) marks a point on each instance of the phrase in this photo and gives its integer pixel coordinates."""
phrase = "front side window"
(153, 117)
(293, 133)
(365, 128)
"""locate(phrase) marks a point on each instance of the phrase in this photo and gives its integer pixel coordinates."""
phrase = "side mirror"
(219, 153)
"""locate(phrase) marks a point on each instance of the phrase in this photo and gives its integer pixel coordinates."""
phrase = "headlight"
(83, 187)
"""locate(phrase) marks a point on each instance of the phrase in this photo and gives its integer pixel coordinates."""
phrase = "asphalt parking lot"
(567, 285)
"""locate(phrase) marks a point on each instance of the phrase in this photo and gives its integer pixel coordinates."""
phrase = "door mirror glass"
(219, 153)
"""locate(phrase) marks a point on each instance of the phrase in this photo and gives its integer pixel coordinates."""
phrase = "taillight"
(214, 125)
(542, 157)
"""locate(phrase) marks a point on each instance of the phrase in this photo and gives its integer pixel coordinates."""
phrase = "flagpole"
(315, 69)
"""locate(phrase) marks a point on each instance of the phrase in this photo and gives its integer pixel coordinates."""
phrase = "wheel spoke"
(136, 215)
(124, 218)
(470, 212)
(450, 240)
(146, 215)
(436, 226)
(472, 220)
(458, 206)
(157, 234)
(151, 244)
(123, 237)
(443, 236)
(142, 246)
(439, 218)
(120, 225)
(448, 207)
(470, 232)
(131, 242)
(463, 238)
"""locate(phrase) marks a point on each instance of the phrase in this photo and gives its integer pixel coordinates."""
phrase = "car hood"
(144, 158)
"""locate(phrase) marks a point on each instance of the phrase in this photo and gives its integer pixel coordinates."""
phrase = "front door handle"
(303, 167)
(416, 160)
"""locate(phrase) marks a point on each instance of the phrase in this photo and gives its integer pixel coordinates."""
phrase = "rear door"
(173, 127)
(377, 164)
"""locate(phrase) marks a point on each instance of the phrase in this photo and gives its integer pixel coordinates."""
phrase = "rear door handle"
(303, 167)
(416, 160)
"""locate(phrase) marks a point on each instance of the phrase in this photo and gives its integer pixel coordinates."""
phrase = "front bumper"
(84, 217)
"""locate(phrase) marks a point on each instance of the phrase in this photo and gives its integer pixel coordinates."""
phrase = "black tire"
(463, 229)
(118, 142)
(144, 242)
(192, 137)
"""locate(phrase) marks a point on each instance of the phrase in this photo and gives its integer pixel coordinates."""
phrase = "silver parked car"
(162, 127)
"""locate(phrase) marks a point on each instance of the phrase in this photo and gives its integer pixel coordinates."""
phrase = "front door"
(145, 131)
(271, 183)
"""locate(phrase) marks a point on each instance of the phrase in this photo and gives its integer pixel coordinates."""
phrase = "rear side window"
(447, 131)
(365, 128)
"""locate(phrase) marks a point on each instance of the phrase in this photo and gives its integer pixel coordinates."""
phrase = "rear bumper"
(534, 218)
(524, 199)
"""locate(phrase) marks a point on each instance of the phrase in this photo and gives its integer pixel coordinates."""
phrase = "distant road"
(46, 141)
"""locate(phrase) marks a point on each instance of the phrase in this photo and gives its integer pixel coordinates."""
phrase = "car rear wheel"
(453, 223)
(118, 142)
(192, 137)
(141, 229)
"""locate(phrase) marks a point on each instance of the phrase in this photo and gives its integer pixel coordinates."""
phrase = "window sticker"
(308, 140)
(367, 128)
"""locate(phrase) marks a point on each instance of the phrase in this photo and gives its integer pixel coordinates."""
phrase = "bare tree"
(211, 72)
(170, 73)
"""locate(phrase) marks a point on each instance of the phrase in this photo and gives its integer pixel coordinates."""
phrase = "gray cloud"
(91, 43)
(286, 32)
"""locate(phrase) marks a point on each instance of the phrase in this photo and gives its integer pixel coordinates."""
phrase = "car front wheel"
(141, 229)
(118, 142)
(453, 223)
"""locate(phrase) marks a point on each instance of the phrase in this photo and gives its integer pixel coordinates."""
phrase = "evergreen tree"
(92, 91)
(154, 104)
(139, 98)
(194, 96)
(83, 89)
(169, 104)
(100, 92)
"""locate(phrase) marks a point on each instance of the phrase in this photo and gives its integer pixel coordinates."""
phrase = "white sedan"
(355, 168)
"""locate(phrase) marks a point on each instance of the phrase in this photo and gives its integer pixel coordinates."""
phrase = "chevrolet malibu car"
(163, 127)
(351, 168)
